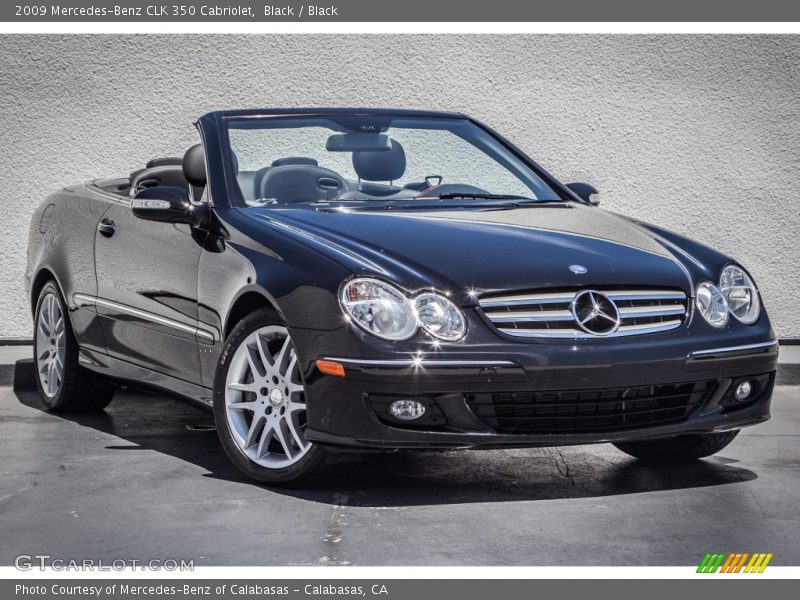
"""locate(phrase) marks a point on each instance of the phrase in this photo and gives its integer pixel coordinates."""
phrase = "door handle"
(106, 227)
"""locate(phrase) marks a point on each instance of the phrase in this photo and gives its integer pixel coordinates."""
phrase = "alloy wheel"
(264, 399)
(50, 345)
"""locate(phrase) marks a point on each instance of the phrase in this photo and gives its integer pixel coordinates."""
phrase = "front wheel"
(260, 406)
(679, 448)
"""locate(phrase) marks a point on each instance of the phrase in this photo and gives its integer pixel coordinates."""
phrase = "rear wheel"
(260, 406)
(679, 448)
(62, 383)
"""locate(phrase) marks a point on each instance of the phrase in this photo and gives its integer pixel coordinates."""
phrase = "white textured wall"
(699, 134)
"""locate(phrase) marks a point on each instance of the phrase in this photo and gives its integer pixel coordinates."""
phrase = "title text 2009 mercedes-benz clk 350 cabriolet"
(386, 279)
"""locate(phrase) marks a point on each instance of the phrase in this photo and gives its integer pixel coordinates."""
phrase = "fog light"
(406, 410)
(743, 391)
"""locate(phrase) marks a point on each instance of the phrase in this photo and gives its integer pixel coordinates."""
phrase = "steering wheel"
(295, 184)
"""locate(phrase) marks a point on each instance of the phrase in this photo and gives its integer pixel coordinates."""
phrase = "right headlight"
(711, 304)
(379, 308)
(740, 293)
(386, 312)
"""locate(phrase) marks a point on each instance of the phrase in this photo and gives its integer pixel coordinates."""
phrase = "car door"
(147, 291)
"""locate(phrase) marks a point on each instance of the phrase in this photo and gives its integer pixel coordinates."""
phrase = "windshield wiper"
(473, 196)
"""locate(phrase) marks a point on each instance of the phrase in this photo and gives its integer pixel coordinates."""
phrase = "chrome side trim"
(83, 300)
(420, 362)
(746, 349)
(575, 334)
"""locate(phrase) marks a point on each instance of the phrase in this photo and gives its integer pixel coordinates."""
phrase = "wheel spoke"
(59, 327)
(291, 426)
(294, 407)
(51, 380)
(43, 326)
(242, 405)
(282, 439)
(44, 366)
(257, 367)
(244, 387)
(264, 354)
(294, 388)
(284, 354)
(256, 427)
(51, 309)
(58, 369)
(263, 442)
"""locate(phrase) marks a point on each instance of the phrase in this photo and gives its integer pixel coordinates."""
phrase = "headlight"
(386, 312)
(711, 304)
(379, 308)
(440, 317)
(741, 294)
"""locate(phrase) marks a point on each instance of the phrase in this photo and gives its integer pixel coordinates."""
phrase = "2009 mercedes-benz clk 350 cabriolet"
(385, 279)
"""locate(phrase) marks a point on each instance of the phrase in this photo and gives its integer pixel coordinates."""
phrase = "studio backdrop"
(700, 134)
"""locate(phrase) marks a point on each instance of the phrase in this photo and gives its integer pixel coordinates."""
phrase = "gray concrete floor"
(148, 480)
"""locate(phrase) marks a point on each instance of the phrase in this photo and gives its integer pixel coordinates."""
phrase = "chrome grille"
(550, 315)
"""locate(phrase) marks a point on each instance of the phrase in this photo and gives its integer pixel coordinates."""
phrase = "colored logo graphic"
(735, 563)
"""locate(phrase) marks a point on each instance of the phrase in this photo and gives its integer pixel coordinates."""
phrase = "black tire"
(310, 469)
(79, 390)
(679, 448)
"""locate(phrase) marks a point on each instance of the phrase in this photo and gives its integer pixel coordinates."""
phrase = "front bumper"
(459, 388)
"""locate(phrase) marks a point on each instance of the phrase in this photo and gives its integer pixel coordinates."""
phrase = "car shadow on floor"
(178, 429)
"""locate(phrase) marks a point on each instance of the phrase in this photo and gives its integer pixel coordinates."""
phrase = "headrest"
(294, 160)
(382, 165)
(235, 161)
(194, 165)
(169, 161)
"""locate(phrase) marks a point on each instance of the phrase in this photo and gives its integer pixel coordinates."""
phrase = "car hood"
(490, 250)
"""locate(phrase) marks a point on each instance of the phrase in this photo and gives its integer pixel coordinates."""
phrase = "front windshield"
(369, 158)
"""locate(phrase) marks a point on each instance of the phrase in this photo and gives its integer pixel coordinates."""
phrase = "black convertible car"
(384, 279)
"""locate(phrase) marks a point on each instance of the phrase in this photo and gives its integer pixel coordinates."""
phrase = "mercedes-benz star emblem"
(577, 269)
(595, 312)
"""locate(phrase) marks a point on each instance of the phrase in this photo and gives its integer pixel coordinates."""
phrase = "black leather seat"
(382, 165)
(171, 175)
(374, 166)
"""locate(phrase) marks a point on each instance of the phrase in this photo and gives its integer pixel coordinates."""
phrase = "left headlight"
(741, 294)
(386, 312)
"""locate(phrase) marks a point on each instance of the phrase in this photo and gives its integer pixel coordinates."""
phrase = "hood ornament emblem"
(578, 269)
(595, 313)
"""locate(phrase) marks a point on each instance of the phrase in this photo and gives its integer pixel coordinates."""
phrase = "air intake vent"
(574, 411)
(582, 314)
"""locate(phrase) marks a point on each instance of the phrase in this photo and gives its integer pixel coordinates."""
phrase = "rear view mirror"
(358, 142)
(585, 192)
(167, 204)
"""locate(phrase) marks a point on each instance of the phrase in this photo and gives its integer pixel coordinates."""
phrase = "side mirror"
(585, 192)
(168, 204)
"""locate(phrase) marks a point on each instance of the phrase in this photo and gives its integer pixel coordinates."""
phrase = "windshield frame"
(219, 149)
